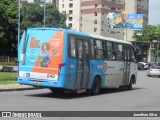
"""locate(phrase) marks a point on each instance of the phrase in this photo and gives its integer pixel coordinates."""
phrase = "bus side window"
(109, 50)
(80, 54)
(133, 57)
(92, 48)
(99, 49)
(118, 52)
(72, 47)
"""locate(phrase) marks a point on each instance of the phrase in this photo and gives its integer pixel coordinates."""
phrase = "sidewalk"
(15, 87)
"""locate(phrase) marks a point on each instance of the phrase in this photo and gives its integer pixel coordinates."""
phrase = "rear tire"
(96, 86)
(129, 87)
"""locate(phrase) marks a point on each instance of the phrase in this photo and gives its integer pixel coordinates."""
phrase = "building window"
(95, 29)
(95, 21)
(96, 5)
(62, 5)
(64, 12)
(70, 25)
(102, 30)
(95, 13)
(70, 5)
(113, 8)
(118, 8)
(70, 12)
(70, 18)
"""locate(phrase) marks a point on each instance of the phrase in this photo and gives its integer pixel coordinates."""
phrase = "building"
(142, 8)
(143, 51)
(72, 8)
(90, 15)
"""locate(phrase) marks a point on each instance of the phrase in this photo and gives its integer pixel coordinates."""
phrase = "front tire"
(96, 86)
(148, 75)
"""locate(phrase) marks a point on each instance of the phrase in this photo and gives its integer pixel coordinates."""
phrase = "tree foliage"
(149, 33)
(8, 26)
(31, 16)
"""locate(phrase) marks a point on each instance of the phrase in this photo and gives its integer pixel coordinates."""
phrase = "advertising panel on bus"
(41, 54)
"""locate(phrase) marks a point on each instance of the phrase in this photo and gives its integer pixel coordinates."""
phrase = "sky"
(154, 12)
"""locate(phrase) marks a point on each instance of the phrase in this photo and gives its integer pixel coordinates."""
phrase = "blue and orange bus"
(62, 59)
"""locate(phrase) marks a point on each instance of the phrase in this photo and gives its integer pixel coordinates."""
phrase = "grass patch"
(8, 77)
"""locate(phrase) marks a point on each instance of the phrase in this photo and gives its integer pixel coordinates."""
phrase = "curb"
(15, 87)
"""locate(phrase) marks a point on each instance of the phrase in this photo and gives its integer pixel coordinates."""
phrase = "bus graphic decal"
(104, 67)
(50, 55)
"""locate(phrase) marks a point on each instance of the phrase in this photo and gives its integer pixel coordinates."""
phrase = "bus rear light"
(61, 65)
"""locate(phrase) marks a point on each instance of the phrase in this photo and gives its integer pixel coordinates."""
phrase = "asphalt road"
(145, 96)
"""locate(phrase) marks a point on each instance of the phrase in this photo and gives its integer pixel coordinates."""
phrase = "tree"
(32, 15)
(149, 33)
(8, 26)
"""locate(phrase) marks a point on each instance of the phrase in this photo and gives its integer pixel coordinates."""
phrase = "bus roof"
(84, 34)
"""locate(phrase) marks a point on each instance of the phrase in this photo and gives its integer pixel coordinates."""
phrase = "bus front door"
(82, 64)
(126, 71)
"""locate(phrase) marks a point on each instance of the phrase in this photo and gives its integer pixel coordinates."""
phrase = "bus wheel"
(129, 87)
(96, 86)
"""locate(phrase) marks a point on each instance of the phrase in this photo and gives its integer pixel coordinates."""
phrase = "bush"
(8, 63)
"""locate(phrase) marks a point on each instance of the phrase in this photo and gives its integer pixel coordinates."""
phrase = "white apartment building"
(90, 15)
(72, 8)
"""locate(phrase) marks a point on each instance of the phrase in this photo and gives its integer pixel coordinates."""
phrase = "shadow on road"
(72, 95)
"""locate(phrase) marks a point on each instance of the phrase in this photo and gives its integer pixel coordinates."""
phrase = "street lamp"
(19, 19)
(19, 2)
(44, 6)
(155, 46)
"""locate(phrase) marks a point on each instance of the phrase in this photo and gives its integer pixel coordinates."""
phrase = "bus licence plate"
(37, 82)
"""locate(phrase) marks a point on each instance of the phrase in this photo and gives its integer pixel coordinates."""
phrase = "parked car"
(151, 64)
(143, 66)
(154, 71)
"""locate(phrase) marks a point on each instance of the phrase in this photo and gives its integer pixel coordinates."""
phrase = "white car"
(154, 71)
(144, 66)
